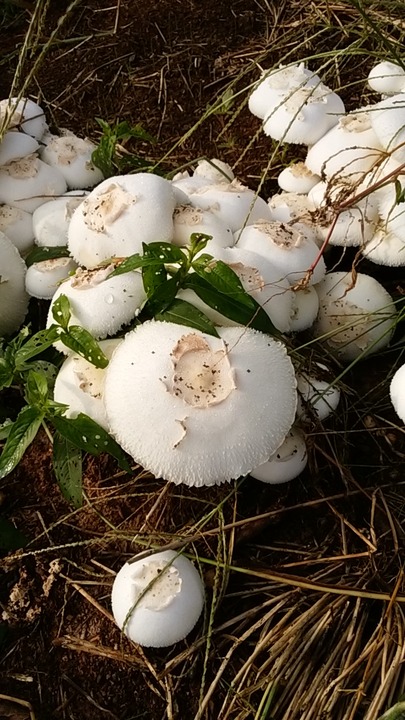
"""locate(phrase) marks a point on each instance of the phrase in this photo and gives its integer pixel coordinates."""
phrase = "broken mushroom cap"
(100, 303)
(119, 215)
(157, 600)
(196, 409)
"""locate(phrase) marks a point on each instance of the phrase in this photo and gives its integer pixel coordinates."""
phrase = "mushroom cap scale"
(182, 423)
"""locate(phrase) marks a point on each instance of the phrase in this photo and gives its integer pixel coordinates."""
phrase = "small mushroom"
(397, 392)
(286, 463)
(157, 600)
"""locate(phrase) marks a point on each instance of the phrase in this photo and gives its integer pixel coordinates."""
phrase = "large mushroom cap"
(13, 297)
(197, 409)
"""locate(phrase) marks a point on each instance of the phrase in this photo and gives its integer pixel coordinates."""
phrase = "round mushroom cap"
(119, 215)
(286, 463)
(320, 397)
(196, 409)
(157, 600)
(387, 78)
(397, 392)
(388, 121)
(13, 296)
(28, 183)
(214, 171)
(236, 204)
(51, 220)
(100, 303)
(24, 115)
(16, 145)
(72, 156)
(297, 178)
(43, 278)
(354, 319)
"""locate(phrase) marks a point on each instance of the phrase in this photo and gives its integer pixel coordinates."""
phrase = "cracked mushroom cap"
(196, 409)
(72, 156)
(119, 215)
(100, 303)
(157, 600)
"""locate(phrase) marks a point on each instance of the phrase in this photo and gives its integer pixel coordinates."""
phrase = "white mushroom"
(355, 318)
(17, 225)
(297, 178)
(43, 278)
(80, 385)
(119, 215)
(100, 303)
(214, 171)
(157, 600)
(199, 410)
(318, 396)
(348, 150)
(13, 297)
(72, 156)
(235, 204)
(189, 219)
(288, 249)
(29, 182)
(16, 145)
(286, 463)
(24, 115)
(51, 220)
(387, 78)
(397, 392)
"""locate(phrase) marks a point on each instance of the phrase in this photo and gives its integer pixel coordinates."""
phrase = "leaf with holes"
(87, 435)
(79, 340)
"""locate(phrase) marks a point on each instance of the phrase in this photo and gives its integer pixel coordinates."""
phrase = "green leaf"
(134, 262)
(162, 297)
(36, 344)
(79, 340)
(61, 311)
(256, 318)
(39, 254)
(36, 388)
(10, 537)
(21, 435)
(184, 313)
(223, 278)
(5, 428)
(6, 374)
(87, 435)
(163, 251)
(67, 466)
(198, 242)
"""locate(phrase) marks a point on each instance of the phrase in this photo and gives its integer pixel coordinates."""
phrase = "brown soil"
(163, 64)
